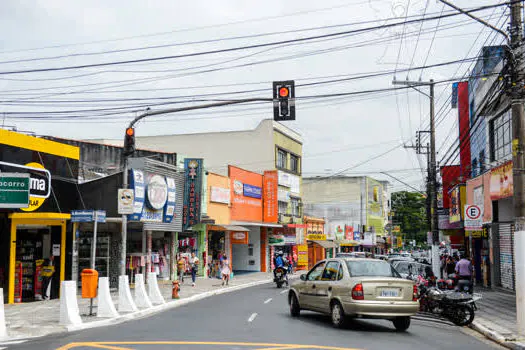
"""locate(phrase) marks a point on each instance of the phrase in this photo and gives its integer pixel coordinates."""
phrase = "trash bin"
(89, 283)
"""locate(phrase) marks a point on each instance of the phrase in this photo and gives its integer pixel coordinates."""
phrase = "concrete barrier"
(125, 301)
(153, 289)
(3, 329)
(105, 308)
(69, 312)
(141, 298)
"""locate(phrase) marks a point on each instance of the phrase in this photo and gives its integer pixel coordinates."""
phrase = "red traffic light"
(130, 131)
(284, 92)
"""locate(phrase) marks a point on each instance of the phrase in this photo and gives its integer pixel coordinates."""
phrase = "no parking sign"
(473, 217)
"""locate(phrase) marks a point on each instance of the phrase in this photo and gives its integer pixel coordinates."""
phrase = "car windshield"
(371, 268)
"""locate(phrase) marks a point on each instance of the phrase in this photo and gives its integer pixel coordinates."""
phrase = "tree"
(410, 213)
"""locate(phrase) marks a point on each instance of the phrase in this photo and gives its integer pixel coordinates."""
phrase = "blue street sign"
(88, 216)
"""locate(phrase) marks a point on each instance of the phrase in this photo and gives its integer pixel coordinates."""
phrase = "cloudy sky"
(173, 42)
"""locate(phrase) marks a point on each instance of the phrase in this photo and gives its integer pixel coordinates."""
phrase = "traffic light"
(284, 100)
(129, 142)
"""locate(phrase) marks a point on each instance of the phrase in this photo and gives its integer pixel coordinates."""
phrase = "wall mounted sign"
(157, 192)
(252, 191)
(270, 204)
(220, 195)
(14, 190)
(191, 213)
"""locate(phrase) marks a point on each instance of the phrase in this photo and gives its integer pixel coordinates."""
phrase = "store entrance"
(216, 248)
(34, 247)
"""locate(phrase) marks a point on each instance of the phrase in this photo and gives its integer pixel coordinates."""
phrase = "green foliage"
(410, 213)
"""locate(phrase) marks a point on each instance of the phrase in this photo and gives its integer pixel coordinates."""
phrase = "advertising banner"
(270, 204)
(191, 211)
(239, 237)
(302, 252)
(220, 195)
(501, 182)
(282, 236)
(245, 207)
(455, 205)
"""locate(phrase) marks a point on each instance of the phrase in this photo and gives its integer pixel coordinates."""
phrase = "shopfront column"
(173, 256)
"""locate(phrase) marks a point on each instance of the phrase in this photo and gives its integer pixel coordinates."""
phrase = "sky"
(364, 133)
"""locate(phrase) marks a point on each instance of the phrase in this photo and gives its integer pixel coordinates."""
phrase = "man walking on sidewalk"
(464, 268)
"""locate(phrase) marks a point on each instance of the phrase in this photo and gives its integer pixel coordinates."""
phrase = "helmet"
(279, 252)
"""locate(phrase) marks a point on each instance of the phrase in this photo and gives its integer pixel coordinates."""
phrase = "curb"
(162, 307)
(495, 336)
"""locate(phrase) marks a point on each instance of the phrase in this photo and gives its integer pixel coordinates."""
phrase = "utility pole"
(432, 169)
(518, 158)
(514, 59)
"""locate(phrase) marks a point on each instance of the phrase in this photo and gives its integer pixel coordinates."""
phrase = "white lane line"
(2, 348)
(252, 317)
(284, 291)
(268, 300)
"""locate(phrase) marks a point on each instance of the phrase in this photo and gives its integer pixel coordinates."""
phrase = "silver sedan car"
(355, 288)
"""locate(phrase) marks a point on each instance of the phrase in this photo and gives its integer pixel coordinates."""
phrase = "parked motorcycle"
(280, 276)
(454, 306)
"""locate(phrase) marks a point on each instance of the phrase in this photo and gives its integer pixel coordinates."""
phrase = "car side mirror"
(303, 277)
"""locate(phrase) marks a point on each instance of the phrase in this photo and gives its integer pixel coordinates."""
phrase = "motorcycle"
(280, 276)
(455, 306)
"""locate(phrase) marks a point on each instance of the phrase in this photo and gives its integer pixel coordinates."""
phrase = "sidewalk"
(40, 318)
(496, 317)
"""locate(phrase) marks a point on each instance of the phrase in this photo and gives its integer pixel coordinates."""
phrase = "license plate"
(389, 293)
(278, 274)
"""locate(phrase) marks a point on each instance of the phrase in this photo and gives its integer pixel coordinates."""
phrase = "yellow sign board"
(302, 255)
(36, 202)
(396, 229)
(316, 237)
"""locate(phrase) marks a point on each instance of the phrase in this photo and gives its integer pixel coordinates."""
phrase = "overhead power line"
(232, 49)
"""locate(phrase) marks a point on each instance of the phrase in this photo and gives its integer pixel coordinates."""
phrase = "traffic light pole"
(149, 113)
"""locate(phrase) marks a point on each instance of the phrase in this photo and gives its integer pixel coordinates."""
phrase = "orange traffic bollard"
(175, 290)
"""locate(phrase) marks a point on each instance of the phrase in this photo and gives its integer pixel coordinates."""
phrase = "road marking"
(284, 291)
(266, 345)
(252, 317)
(268, 300)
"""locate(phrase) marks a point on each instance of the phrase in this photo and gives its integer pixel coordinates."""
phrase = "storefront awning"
(234, 228)
(262, 224)
(325, 244)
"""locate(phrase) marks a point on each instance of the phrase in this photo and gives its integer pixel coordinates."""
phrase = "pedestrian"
(225, 270)
(290, 263)
(464, 268)
(450, 266)
(181, 267)
(48, 270)
(194, 264)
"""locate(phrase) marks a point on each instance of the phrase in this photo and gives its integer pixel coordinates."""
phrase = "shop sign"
(157, 192)
(316, 237)
(282, 236)
(284, 195)
(169, 208)
(357, 236)
(252, 191)
(455, 205)
(191, 213)
(125, 201)
(302, 255)
(501, 182)
(284, 179)
(396, 229)
(349, 232)
(138, 184)
(239, 238)
(220, 195)
(270, 198)
(14, 190)
(237, 187)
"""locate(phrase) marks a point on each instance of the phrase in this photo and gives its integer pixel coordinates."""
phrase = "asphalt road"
(257, 318)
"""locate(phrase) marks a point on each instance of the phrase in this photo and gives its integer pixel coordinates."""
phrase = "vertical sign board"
(473, 217)
(14, 190)
(191, 211)
(138, 184)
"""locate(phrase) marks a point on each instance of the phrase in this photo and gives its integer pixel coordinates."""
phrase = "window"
(500, 137)
(294, 163)
(316, 272)
(295, 207)
(283, 207)
(340, 273)
(482, 162)
(371, 268)
(330, 272)
(281, 159)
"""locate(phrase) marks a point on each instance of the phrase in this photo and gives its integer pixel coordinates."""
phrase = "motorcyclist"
(279, 263)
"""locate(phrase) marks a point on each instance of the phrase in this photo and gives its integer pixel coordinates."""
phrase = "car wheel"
(295, 310)
(401, 323)
(338, 315)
